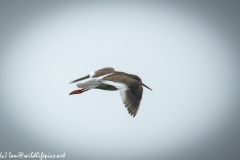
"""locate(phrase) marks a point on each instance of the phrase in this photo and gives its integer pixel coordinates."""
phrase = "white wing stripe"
(103, 76)
(120, 86)
(91, 74)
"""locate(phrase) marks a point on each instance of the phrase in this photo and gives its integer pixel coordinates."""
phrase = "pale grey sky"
(187, 53)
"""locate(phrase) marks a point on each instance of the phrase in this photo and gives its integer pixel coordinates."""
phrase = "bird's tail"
(79, 91)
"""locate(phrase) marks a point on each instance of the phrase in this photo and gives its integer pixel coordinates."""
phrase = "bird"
(129, 86)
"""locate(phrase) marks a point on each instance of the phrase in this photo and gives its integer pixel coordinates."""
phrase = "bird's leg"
(79, 91)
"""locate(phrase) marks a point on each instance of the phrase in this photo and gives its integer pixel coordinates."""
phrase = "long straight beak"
(79, 79)
(146, 86)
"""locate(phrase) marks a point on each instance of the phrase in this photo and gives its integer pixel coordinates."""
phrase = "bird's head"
(139, 79)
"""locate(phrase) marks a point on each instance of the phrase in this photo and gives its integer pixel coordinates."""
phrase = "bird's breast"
(106, 87)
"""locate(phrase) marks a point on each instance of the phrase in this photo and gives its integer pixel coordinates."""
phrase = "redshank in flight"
(129, 85)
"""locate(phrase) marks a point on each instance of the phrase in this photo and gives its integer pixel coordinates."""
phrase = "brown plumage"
(129, 85)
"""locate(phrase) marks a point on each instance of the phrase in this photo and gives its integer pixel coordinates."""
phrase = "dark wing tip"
(79, 79)
(132, 104)
(133, 114)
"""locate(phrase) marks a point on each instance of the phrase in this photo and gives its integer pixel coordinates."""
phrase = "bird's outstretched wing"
(101, 72)
(97, 73)
(79, 79)
(130, 90)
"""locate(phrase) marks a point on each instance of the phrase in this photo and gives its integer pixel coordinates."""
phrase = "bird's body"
(129, 85)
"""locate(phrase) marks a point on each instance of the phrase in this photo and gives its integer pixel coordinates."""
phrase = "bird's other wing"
(101, 72)
(93, 83)
(97, 73)
(79, 79)
(130, 90)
